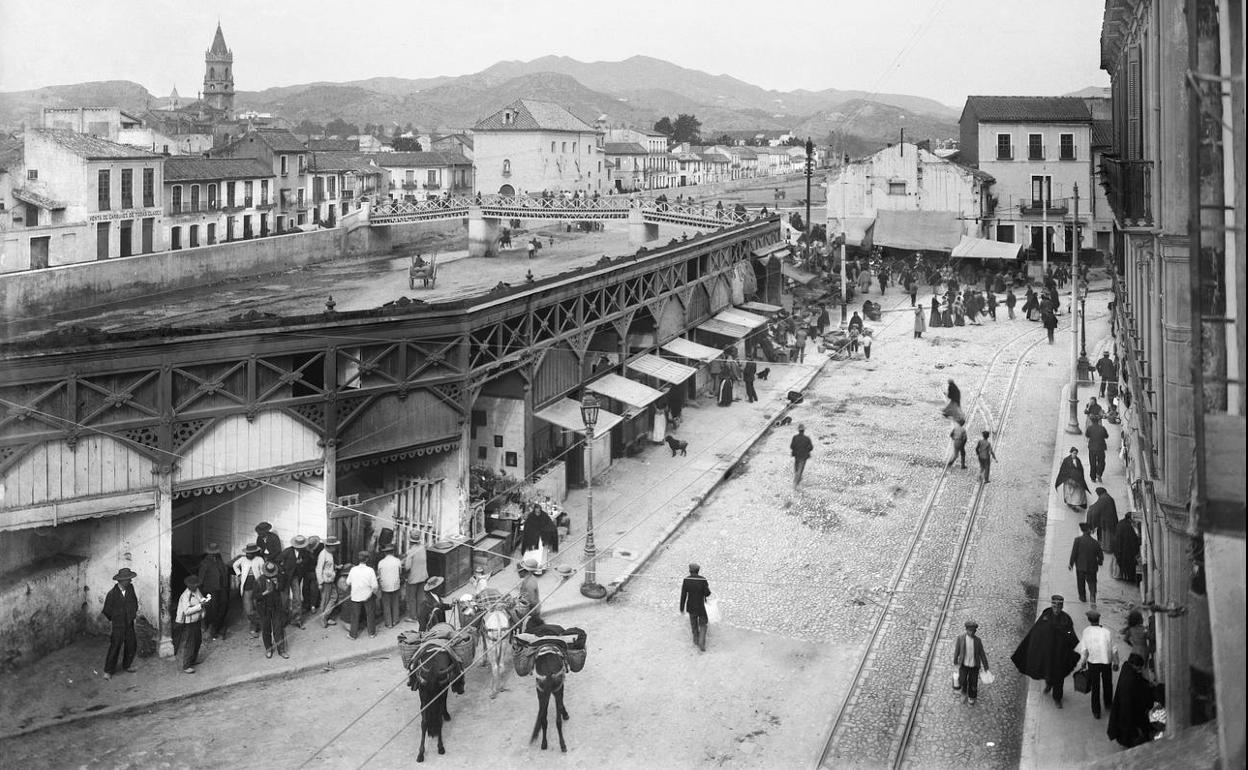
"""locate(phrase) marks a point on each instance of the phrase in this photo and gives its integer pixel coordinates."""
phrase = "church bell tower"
(219, 74)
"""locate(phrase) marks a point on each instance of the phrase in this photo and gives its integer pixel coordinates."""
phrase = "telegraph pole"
(810, 170)
(844, 237)
(1072, 424)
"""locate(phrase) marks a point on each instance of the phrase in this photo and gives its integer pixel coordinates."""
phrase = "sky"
(941, 49)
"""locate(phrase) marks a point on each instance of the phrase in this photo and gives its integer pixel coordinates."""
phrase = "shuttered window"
(1135, 113)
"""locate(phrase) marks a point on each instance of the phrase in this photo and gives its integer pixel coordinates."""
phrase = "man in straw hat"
(250, 568)
(121, 607)
(214, 581)
(190, 616)
(272, 609)
(969, 657)
(416, 572)
(528, 589)
(327, 576)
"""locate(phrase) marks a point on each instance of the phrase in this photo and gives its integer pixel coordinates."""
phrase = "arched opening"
(506, 190)
(212, 73)
(506, 167)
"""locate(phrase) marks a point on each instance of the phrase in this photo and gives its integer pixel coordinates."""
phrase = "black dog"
(783, 421)
(676, 445)
(762, 374)
(796, 397)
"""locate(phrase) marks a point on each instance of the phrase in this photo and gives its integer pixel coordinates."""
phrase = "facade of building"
(531, 146)
(219, 75)
(422, 175)
(1178, 201)
(288, 158)
(102, 122)
(217, 200)
(77, 198)
(1039, 151)
(628, 164)
(461, 143)
(154, 140)
(340, 180)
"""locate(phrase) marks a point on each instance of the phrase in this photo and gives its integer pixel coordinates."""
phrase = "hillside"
(869, 126)
(18, 107)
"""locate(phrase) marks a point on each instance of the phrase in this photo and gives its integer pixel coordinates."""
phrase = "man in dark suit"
(270, 544)
(1098, 444)
(747, 376)
(1085, 560)
(693, 593)
(121, 607)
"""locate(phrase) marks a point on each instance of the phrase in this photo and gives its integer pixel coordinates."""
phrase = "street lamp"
(589, 415)
(1085, 368)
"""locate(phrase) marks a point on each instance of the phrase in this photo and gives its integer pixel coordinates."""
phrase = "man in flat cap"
(121, 607)
(1096, 651)
(969, 657)
(1048, 650)
(693, 592)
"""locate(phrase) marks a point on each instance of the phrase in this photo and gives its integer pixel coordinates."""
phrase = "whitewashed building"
(531, 146)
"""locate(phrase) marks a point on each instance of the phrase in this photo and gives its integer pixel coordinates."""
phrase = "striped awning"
(566, 413)
(692, 350)
(661, 368)
(626, 391)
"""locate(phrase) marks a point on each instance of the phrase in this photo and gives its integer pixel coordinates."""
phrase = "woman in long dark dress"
(934, 321)
(1133, 698)
(531, 530)
(953, 409)
(1071, 479)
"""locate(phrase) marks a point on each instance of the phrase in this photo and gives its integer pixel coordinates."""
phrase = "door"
(39, 252)
(146, 234)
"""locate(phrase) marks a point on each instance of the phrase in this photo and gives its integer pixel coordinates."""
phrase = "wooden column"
(164, 557)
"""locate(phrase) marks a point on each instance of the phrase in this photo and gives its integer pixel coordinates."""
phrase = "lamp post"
(1085, 367)
(810, 170)
(590, 587)
(1072, 421)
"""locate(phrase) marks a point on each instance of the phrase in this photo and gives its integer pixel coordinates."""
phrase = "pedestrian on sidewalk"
(294, 564)
(747, 378)
(1129, 724)
(693, 592)
(1106, 369)
(272, 608)
(919, 326)
(190, 617)
(1085, 560)
(388, 580)
(1126, 548)
(953, 409)
(800, 447)
(866, 345)
(799, 342)
(1049, 318)
(327, 576)
(935, 321)
(214, 582)
(968, 657)
(1094, 412)
(121, 608)
(311, 581)
(1097, 654)
(992, 306)
(986, 453)
(1071, 480)
(362, 584)
(270, 544)
(912, 288)
(249, 568)
(416, 572)
(1098, 445)
(958, 436)
(824, 319)
(1137, 636)
(1103, 518)
(1010, 302)
(1048, 650)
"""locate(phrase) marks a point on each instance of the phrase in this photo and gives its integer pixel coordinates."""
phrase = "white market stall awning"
(692, 350)
(982, 248)
(767, 251)
(566, 413)
(760, 307)
(917, 230)
(625, 391)
(724, 328)
(741, 318)
(794, 273)
(661, 368)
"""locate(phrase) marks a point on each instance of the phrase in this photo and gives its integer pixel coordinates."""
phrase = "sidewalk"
(638, 503)
(1070, 736)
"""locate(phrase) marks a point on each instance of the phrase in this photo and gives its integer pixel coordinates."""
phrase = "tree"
(724, 139)
(794, 141)
(686, 129)
(308, 127)
(406, 144)
(664, 126)
(341, 128)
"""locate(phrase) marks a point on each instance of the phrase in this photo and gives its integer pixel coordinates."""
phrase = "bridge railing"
(569, 208)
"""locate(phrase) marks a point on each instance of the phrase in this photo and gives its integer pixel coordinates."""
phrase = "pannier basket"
(576, 659)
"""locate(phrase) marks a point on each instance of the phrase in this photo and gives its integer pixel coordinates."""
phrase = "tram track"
(876, 720)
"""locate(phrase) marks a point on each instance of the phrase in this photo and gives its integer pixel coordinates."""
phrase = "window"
(432, 181)
(212, 233)
(247, 188)
(149, 187)
(552, 146)
(1005, 151)
(229, 194)
(264, 192)
(574, 147)
(104, 194)
(194, 236)
(127, 237)
(148, 228)
(1067, 147)
(299, 199)
(102, 235)
(127, 188)
(177, 199)
(1005, 233)
(331, 184)
(563, 147)
(506, 168)
(212, 197)
(229, 228)
(1035, 147)
(175, 238)
(32, 174)
(194, 197)
(897, 188)
(1042, 191)
(303, 163)
(285, 164)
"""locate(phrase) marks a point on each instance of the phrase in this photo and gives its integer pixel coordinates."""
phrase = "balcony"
(1129, 188)
(411, 185)
(1005, 153)
(1035, 152)
(1054, 208)
(433, 187)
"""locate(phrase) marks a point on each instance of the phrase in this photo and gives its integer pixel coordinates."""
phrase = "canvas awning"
(917, 230)
(668, 371)
(982, 248)
(794, 273)
(724, 328)
(767, 251)
(692, 350)
(741, 318)
(760, 307)
(625, 391)
(858, 231)
(566, 413)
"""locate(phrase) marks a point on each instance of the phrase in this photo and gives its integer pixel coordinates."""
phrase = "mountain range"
(636, 91)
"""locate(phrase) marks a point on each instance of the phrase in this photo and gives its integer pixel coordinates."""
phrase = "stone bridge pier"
(640, 232)
(483, 233)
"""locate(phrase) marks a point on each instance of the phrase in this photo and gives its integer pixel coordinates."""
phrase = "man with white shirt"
(388, 570)
(250, 568)
(416, 568)
(361, 586)
(327, 576)
(1096, 650)
(190, 616)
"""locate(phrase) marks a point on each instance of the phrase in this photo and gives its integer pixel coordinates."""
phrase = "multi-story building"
(1178, 201)
(461, 143)
(288, 158)
(716, 164)
(102, 122)
(628, 163)
(421, 175)
(339, 180)
(216, 200)
(531, 146)
(1039, 151)
(76, 198)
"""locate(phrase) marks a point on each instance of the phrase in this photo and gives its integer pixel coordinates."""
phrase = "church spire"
(218, 42)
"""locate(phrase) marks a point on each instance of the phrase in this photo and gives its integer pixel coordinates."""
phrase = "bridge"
(485, 213)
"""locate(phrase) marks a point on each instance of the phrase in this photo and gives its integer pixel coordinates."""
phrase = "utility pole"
(1072, 423)
(1045, 193)
(844, 237)
(810, 170)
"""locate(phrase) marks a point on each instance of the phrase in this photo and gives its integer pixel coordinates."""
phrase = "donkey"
(434, 671)
(549, 667)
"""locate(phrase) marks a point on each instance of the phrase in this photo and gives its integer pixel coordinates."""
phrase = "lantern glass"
(589, 410)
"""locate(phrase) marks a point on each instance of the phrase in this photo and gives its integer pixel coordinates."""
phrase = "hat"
(414, 537)
(212, 548)
(1094, 616)
(1057, 598)
(1105, 354)
(971, 624)
(331, 541)
(314, 540)
(433, 583)
(298, 541)
(192, 581)
(529, 564)
(801, 427)
(264, 526)
(125, 573)
(479, 571)
(387, 548)
(1084, 526)
(270, 568)
(252, 549)
(1102, 491)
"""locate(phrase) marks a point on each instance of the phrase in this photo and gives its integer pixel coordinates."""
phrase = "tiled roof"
(38, 199)
(1029, 109)
(714, 157)
(278, 139)
(431, 159)
(1102, 133)
(624, 148)
(355, 162)
(463, 139)
(745, 152)
(191, 168)
(334, 145)
(90, 147)
(534, 116)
